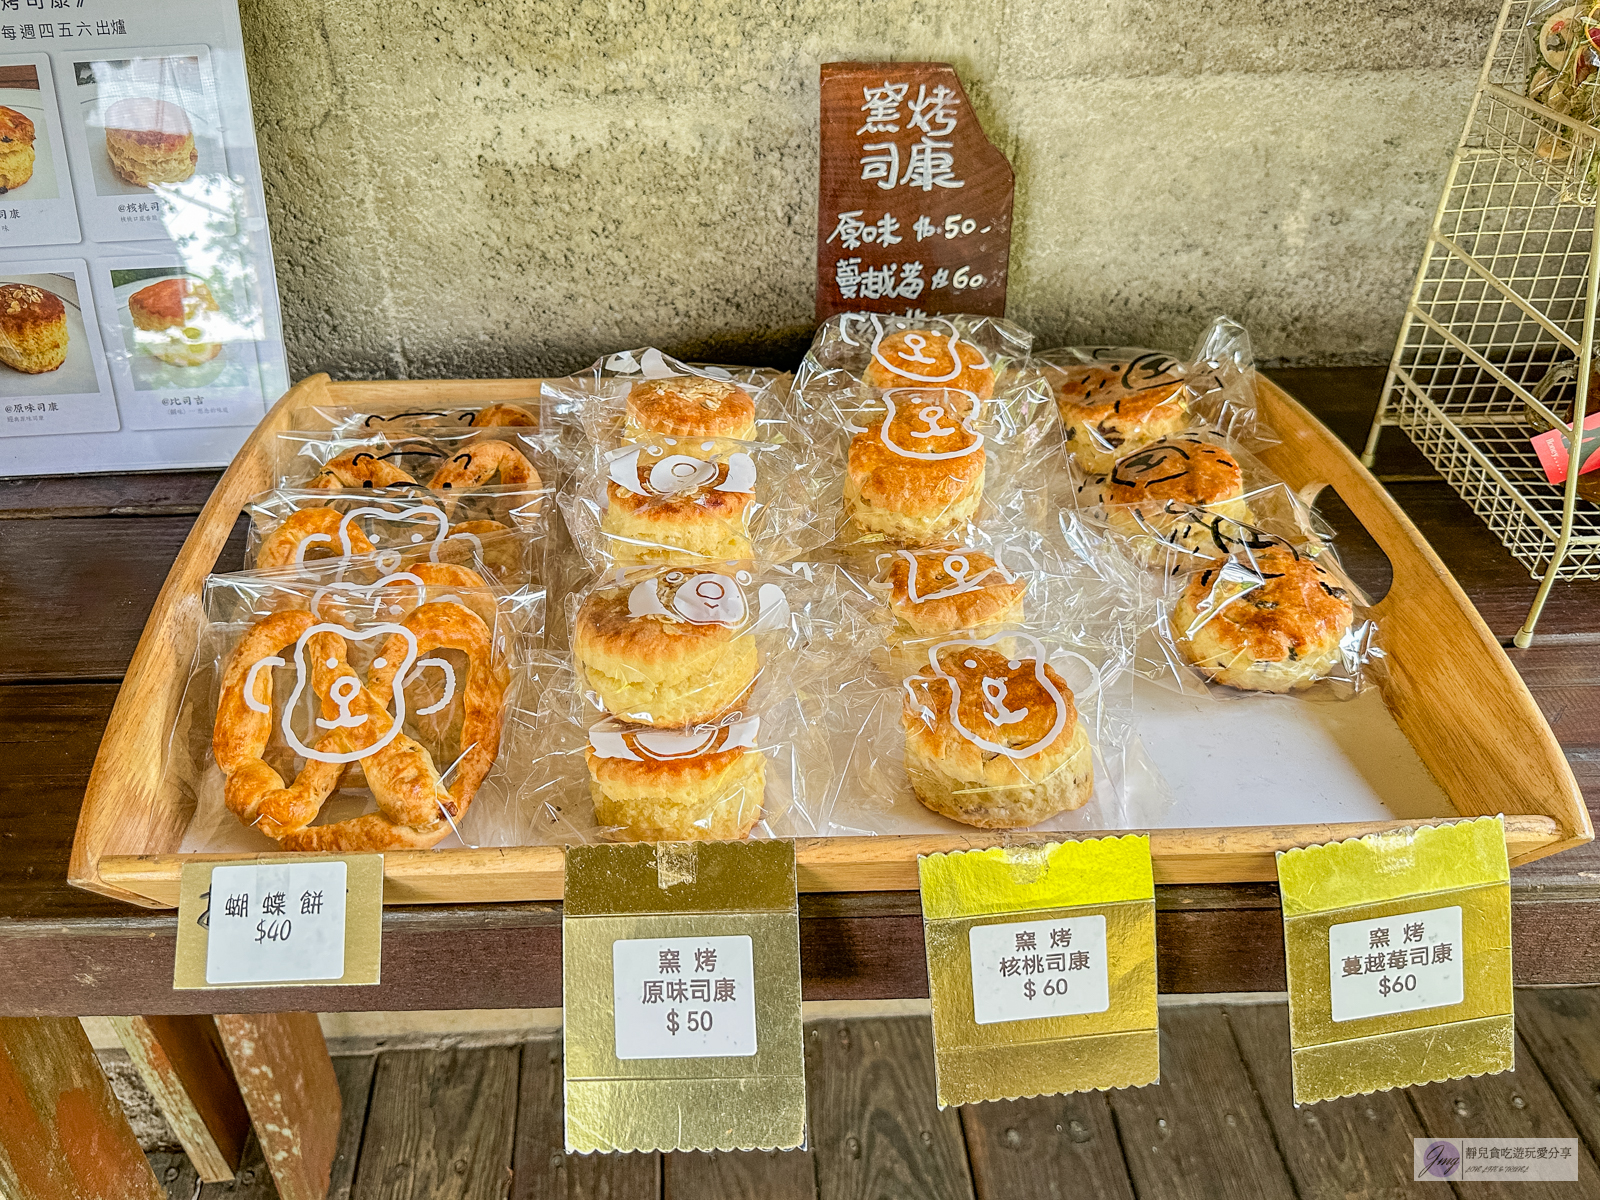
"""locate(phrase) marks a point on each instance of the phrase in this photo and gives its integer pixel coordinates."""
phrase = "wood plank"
(1517, 1103)
(1561, 1029)
(876, 1131)
(185, 1069)
(1200, 1132)
(541, 1167)
(1359, 1146)
(62, 1134)
(289, 1087)
(1047, 1148)
(441, 1125)
(253, 1181)
(355, 1073)
(767, 1174)
(154, 493)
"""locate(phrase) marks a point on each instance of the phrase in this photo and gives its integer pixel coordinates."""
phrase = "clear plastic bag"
(505, 529)
(325, 714)
(439, 461)
(874, 351)
(684, 711)
(1271, 614)
(647, 394)
(702, 500)
(403, 417)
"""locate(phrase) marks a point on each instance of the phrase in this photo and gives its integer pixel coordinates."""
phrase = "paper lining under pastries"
(150, 141)
(711, 796)
(890, 489)
(33, 328)
(956, 777)
(16, 149)
(1272, 622)
(173, 316)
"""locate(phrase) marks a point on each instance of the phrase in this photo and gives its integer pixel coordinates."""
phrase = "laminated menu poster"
(139, 321)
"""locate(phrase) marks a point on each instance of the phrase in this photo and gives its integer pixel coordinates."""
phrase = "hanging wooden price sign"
(914, 202)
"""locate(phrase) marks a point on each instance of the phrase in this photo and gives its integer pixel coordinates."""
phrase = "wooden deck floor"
(486, 1123)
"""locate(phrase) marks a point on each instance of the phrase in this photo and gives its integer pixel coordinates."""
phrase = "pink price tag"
(1551, 447)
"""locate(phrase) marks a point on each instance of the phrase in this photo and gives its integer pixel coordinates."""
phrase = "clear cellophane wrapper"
(694, 500)
(610, 754)
(595, 401)
(511, 532)
(927, 463)
(1115, 400)
(462, 674)
(1081, 612)
(1270, 612)
(440, 461)
(492, 417)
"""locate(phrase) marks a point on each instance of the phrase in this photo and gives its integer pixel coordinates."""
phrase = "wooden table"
(84, 557)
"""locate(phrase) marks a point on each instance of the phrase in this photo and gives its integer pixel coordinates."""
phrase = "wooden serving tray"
(1450, 687)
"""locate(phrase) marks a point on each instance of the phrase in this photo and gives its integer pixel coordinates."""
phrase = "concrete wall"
(498, 187)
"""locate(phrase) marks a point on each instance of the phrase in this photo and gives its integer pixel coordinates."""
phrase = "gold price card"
(681, 992)
(299, 920)
(1042, 968)
(1399, 958)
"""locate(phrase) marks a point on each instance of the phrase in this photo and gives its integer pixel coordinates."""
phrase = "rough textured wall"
(508, 187)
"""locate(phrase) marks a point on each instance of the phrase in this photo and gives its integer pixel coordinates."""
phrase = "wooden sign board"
(914, 202)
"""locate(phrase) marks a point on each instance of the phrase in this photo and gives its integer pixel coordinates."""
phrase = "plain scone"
(33, 328)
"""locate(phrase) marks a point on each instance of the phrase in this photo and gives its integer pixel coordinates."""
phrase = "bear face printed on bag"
(657, 471)
(942, 576)
(928, 426)
(620, 740)
(709, 598)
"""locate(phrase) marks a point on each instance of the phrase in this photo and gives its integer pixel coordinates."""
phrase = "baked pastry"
(663, 506)
(935, 592)
(673, 648)
(929, 358)
(1118, 402)
(33, 328)
(656, 785)
(690, 406)
(1272, 621)
(917, 474)
(150, 141)
(361, 468)
(994, 741)
(1184, 491)
(482, 463)
(503, 414)
(16, 149)
(172, 317)
(308, 534)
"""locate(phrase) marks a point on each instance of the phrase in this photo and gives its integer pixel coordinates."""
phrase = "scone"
(690, 406)
(670, 650)
(929, 358)
(150, 141)
(172, 318)
(657, 785)
(1269, 622)
(663, 506)
(1184, 492)
(16, 149)
(936, 592)
(917, 474)
(992, 741)
(1117, 402)
(33, 328)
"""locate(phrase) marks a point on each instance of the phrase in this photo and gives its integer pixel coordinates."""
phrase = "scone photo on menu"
(706, 782)
(33, 328)
(176, 320)
(150, 141)
(1183, 493)
(1114, 401)
(1273, 619)
(993, 734)
(915, 474)
(17, 135)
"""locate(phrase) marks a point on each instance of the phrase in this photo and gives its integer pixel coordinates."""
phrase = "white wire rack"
(1506, 291)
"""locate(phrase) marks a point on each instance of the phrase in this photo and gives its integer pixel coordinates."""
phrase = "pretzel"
(481, 462)
(503, 414)
(415, 809)
(360, 468)
(286, 545)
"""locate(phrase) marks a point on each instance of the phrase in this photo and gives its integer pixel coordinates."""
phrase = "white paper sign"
(1030, 969)
(689, 997)
(1395, 964)
(272, 922)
